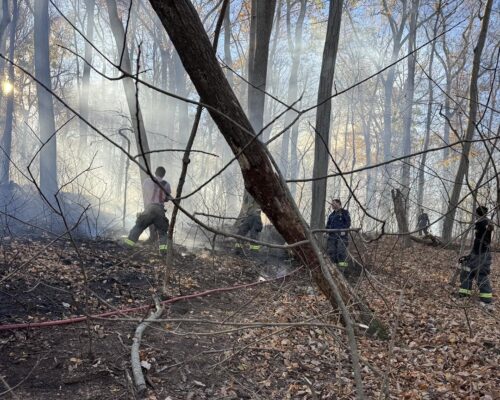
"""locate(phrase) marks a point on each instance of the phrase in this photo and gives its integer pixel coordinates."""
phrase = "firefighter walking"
(156, 192)
(478, 264)
(250, 226)
(338, 241)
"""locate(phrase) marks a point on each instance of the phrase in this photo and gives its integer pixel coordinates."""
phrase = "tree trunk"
(323, 114)
(387, 135)
(263, 10)
(261, 23)
(423, 161)
(471, 126)
(408, 110)
(129, 87)
(399, 201)
(179, 76)
(84, 95)
(397, 33)
(295, 49)
(4, 22)
(228, 58)
(167, 118)
(447, 113)
(48, 154)
(262, 181)
(9, 113)
(294, 159)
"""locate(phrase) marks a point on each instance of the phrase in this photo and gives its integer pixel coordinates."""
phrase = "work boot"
(127, 243)
(238, 249)
(254, 247)
(488, 307)
(342, 265)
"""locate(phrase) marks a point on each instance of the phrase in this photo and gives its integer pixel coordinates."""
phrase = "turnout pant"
(477, 268)
(250, 226)
(423, 229)
(337, 249)
(153, 215)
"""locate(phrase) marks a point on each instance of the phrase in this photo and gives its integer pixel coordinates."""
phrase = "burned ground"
(441, 349)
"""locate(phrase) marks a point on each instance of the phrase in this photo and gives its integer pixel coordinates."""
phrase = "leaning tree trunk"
(323, 114)
(48, 154)
(9, 114)
(129, 87)
(262, 181)
(471, 126)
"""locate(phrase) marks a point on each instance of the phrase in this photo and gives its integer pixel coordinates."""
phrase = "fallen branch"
(135, 359)
(428, 239)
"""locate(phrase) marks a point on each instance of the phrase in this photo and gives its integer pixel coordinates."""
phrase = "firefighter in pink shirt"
(156, 194)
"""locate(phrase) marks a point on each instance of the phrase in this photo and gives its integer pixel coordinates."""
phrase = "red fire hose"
(74, 320)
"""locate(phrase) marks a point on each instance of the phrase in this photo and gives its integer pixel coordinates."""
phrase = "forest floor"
(441, 348)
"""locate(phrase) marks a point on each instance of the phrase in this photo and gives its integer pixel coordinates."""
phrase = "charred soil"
(209, 347)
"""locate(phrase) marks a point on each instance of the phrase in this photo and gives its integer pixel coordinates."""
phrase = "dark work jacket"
(482, 239)
(338, 220)
(423, 220)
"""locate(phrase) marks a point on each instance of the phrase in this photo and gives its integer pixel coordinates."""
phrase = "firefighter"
(156, 193)
(479, 261)
(338, 241)
(250, 226)
(423, 223)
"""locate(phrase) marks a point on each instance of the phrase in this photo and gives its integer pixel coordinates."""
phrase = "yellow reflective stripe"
(254, 247)
(129, 242)
(486, 295)
(342, 264)
(464, 291)
(163, 247)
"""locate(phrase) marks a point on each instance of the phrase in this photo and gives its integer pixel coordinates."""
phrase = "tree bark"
(428, 120)
(262, 180)
(179, 76)
(261, 23)
(399, 201)
(4, 22)
(5, 152)
(410, 90)
(84, 95)
(48, 154)
(295, 49)
(323, 114)
(228, 58)
(471, 126)
(397, 43)
(129, 87)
